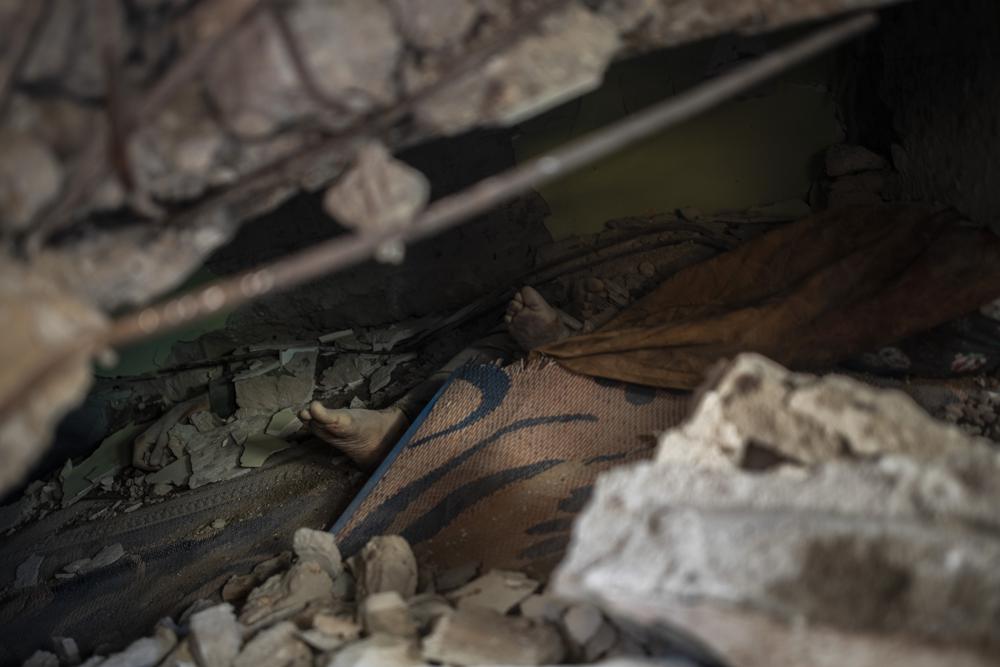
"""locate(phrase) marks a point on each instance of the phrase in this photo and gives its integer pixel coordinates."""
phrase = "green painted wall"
(755, 150)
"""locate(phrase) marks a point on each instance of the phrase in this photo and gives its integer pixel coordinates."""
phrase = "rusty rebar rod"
(342, 252)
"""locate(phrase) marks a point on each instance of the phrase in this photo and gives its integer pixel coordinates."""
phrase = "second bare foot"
(532, 321)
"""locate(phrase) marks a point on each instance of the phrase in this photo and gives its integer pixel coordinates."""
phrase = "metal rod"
(342, 252)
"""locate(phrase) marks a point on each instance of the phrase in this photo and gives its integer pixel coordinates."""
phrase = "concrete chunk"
(476, 635)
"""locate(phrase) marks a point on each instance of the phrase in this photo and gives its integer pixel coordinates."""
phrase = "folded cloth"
(808, 295)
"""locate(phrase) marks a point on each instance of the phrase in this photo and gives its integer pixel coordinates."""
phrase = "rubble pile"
(800, 520)
(244, 409)
(376, 608)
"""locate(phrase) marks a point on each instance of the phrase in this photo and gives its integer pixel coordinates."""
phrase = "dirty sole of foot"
(501, 463)
(176, 552)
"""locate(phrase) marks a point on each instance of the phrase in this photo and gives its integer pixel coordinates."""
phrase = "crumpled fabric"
(808, 295)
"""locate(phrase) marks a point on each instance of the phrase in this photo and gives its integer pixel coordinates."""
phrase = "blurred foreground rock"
(884, 551)
(308, 614)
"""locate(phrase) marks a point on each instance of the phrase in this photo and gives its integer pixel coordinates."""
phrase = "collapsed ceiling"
(139, 135)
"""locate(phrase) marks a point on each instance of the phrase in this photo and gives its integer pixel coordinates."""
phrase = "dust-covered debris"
(880, 546)
(296, 618)
(735, 422)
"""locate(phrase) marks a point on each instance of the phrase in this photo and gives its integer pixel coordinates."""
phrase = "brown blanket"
(808, 295)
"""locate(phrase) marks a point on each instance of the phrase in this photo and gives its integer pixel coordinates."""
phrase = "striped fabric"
(499, 464)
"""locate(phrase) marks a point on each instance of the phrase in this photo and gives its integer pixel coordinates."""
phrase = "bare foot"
(532, 321)
(364, 436)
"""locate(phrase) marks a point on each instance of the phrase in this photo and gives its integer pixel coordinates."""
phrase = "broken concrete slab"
(886, 559)
(756, 414)
(216, 636)
(386, 563)
(476, 635)
(499, 590)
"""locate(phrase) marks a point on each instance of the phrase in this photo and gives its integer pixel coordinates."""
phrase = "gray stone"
(737, 421)
(387, 563)
(320, 547)
(216, 636)
(499, 590)
(387, 613)
(477, 635)
(842, 159)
